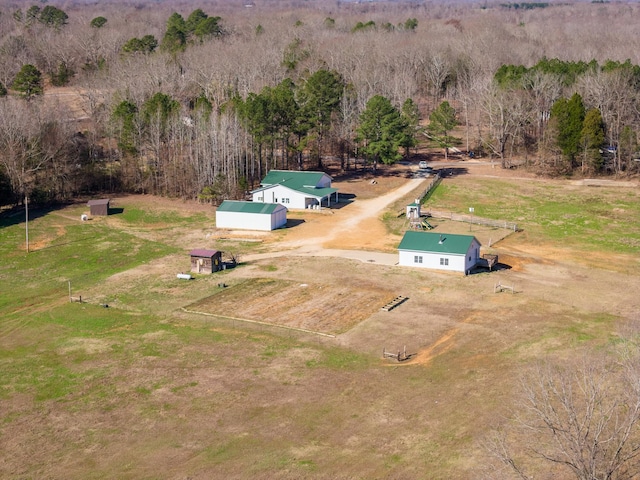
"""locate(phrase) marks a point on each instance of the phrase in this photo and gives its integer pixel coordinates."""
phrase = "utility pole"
(26, 214)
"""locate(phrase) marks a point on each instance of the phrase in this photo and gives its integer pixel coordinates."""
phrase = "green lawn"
(589, 218)
(145, 392)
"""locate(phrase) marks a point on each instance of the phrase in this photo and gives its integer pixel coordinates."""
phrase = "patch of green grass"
(340, 359)
(219, 453)
(607, 219)
(179, 388)
(569, 331)
(393, 460)
(137, 216)
(80, 254)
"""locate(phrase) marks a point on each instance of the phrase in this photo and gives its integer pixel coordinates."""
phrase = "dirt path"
(357, 226)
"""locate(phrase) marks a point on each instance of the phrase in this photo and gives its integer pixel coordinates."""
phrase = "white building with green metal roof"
(235, 214)
(293, 189)
(439, 251)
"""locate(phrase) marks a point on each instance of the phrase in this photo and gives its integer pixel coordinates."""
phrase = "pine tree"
(28, 81)
(382, 129)
(441, 121)
(592, 136)
(569, 115)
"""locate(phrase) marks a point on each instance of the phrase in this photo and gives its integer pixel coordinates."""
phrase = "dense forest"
(200, 101)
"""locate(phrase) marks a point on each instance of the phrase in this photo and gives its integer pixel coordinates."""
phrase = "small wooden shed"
(99, 207)
(205, 261)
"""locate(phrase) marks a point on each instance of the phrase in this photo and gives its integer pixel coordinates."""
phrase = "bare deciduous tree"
(579, 420)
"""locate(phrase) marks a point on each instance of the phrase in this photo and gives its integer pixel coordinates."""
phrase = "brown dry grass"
(215, 398)
(325, 308)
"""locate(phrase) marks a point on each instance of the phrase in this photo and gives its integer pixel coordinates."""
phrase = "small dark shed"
(205, 261)
(99, 207)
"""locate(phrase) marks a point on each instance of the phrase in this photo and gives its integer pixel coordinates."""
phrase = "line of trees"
(217, 102)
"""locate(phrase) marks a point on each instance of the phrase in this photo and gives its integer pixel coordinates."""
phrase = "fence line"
(458, 217)
(434, 183)
(462, 217)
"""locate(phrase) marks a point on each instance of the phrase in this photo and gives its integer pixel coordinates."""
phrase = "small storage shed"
(205, 261)
(99, 207)
(250, 215)
(439, 251)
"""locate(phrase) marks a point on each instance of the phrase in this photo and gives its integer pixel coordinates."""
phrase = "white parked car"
(423, 165)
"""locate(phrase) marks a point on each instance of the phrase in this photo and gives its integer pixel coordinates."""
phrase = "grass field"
(589, 218)
(143, 390)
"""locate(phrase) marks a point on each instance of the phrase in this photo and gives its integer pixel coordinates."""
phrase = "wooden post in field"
(26, 215)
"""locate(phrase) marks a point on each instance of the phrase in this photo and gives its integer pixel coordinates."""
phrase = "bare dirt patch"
(316, 307)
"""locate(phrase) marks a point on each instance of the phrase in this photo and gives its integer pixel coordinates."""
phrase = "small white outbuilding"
(236, 214)
(439, 251)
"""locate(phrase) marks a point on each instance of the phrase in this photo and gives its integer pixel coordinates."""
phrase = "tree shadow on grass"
(16, 215)
(453, 171)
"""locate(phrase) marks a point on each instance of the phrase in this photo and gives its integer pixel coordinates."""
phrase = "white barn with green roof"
(293, 189)
(439, 251)
(235, 214)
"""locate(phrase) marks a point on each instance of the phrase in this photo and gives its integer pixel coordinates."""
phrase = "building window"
(285, 200)
(417, 259)
(444, 261)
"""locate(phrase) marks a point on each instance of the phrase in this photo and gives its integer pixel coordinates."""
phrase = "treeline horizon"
(202, 102)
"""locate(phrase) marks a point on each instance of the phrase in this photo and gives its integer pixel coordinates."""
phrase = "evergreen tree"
(441, 121)
(98, 22)
(53, 17)
(628, 146)
(159, 108)
(592, 139)
(569, 115)
(175, 38)
(28, 81)
(382, 130)
(62, 76)
(207, 28)
(146, 44)
(125, 114)
(194, 19)
(411, 117)
(319, 99)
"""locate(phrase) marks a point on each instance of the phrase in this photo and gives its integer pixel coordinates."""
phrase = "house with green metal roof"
(294, 189)
(235, 214)
(439, 251)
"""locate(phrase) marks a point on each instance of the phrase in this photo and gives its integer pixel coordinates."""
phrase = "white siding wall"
(324, 182)
(243, 221)
(278, 218)
(472, 256)
(454, 263)
(282, 195)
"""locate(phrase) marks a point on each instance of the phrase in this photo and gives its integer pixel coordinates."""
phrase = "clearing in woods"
(144, 389)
